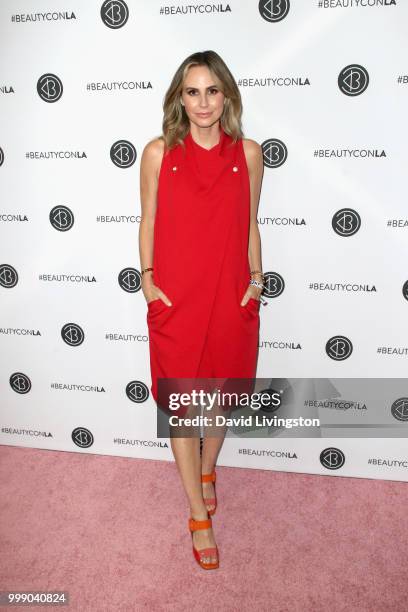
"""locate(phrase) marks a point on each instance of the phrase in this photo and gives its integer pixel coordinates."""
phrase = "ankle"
(199, 514)
(207, 469)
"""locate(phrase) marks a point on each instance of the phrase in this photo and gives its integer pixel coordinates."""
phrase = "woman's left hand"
(252, 292)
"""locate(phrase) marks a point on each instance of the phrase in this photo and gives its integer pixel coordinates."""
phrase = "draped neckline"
(213, 149)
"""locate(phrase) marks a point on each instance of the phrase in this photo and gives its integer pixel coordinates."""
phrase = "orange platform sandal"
(210, 500)
(193, 525)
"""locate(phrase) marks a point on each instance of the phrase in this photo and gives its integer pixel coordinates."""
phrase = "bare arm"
(149, 173)
(254, 159)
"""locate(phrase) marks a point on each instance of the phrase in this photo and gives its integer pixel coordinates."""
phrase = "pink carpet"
(113, 533)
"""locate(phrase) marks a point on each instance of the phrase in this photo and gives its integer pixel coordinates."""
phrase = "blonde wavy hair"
(176, 124)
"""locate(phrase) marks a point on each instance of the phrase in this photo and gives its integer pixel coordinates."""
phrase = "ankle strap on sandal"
(194, 525)
(208, 477)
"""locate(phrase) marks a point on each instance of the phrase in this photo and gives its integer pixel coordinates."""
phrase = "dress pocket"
(156, 305)
(250, 312)
(253, 304)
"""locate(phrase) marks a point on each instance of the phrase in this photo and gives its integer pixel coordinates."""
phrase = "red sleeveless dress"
(201, 263)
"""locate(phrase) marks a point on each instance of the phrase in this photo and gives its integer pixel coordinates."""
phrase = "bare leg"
(211, 449)
(187, 455)
(213, 440)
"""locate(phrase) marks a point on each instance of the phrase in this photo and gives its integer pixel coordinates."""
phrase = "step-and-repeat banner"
(325, 91)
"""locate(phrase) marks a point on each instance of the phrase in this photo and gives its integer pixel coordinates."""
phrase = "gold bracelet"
(146, 270)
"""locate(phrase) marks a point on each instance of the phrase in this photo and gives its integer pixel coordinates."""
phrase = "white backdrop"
(324, 88)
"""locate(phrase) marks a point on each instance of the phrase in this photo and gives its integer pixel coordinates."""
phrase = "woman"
(200, 256)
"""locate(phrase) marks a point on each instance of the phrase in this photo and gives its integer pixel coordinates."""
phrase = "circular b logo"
(346, 222)
(130, 280)
(114, 13)
(274, 152)
(273, 10)
(399, 409)
(274, 284)
(8, 276)
(353, 80)
(339, 348)
(332, 458)
(82, 437)
(405, 290)
(123, 154)
(61, 218)
(72, 334)
(20, 383)
(49, 87)
(137, 391)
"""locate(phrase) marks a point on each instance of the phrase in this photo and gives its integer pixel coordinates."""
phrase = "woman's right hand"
(153, 292)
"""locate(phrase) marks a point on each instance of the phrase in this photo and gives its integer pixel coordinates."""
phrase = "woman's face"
(202, 98)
